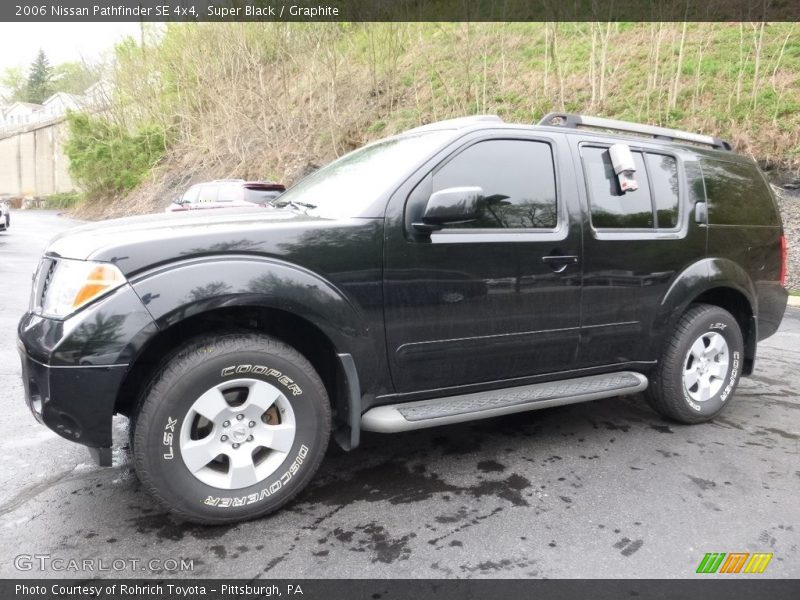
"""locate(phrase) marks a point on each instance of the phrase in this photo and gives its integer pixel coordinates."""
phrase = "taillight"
(784, 260)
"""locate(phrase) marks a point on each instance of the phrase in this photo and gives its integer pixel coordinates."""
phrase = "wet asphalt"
(602, 489)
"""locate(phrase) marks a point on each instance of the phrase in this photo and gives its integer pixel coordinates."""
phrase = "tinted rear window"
(258, 196)
(737, 194)
(663, 172)
(611, 208)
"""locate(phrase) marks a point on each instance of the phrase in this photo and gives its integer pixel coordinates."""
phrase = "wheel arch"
(719, 282)
(289, 328)
(264, 295)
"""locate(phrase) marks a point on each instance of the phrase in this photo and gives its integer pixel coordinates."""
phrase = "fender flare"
(180, 290)
(700, 277)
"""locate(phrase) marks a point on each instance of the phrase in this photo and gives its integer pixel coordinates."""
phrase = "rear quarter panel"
(744, 227)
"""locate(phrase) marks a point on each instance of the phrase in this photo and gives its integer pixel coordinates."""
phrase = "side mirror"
(450, 205)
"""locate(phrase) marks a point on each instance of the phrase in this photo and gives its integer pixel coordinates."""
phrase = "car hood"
(134, 243)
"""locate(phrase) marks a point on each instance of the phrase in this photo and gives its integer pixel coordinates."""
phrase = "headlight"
(72, 284)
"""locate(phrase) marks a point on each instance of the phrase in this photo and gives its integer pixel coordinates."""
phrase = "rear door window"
(654, 205)
(611, 209)
(663, 173)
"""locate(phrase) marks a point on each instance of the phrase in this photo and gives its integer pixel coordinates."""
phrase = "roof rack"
(661, 133)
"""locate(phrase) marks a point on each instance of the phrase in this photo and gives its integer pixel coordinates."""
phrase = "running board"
(483, 405)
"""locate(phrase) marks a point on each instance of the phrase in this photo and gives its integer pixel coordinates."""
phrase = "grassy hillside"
(273, 100)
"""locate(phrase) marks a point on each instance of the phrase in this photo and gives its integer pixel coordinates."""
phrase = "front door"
(495, 298)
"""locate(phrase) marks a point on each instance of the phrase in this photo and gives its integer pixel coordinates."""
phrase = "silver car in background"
(5, 216)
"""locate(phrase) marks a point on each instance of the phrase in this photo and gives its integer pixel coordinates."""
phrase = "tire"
(189, 414)
(716, 373)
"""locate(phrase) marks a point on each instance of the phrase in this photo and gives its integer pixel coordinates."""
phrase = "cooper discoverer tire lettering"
(231, 428)
(700, 367)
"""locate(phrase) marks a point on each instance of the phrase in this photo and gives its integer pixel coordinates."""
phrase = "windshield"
(348, 185)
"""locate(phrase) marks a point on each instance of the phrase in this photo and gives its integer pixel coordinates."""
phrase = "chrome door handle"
(559, 262)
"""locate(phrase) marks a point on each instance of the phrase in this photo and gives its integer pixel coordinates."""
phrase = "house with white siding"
(3, 108)
(59, 103)
(20, 114)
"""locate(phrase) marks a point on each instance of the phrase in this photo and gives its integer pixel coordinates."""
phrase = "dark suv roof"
(605, 127)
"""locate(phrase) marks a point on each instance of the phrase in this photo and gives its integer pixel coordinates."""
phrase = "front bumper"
(75, 402)
(73, 369)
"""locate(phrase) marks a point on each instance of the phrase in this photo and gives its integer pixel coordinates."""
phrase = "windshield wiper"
(304, 206)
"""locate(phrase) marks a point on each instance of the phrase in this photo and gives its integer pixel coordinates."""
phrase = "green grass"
(63, 201)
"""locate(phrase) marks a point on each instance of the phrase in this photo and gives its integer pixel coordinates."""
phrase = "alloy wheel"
(237, 433)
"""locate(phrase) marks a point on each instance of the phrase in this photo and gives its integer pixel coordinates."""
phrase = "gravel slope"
(789, 202)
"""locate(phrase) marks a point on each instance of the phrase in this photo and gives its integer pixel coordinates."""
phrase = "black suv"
(461, 270)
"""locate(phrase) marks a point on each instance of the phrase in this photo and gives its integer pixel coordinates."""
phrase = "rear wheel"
(231, 428)
(701, 366)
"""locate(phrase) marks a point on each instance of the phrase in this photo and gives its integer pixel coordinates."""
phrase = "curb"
(794, 301)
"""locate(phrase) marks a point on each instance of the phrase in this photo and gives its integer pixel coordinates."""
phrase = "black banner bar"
(733, 588)
(397, 10)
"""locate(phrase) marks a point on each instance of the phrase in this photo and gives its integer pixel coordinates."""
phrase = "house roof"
(30, 105)
(69, 97)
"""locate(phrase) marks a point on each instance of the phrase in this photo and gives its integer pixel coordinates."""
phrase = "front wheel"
(231, 428)
(700, 367)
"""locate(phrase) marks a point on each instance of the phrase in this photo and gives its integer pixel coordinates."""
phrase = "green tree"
(40, 79)
(107, 159)
(15, 84)
(72, 77)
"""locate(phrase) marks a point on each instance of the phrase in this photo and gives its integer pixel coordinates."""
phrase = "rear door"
(492, 299)
(635, 245)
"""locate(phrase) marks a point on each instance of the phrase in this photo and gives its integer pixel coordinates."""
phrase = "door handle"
(559, 262)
